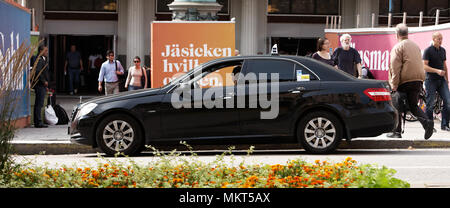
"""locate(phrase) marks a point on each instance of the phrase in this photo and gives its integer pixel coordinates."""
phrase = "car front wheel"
(319, 132)
(119, 134)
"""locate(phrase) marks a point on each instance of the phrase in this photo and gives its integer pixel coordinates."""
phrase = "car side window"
(285, 69)
(304, 75)
(219, 75)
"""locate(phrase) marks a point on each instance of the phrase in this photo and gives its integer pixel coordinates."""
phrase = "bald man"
(406, 75)
(435, 64)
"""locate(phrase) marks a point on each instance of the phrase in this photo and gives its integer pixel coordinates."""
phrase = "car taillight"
(378, 94)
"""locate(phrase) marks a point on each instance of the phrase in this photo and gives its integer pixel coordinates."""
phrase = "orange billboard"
(178, 47)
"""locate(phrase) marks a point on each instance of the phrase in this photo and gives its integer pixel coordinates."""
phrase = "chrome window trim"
(287, 59)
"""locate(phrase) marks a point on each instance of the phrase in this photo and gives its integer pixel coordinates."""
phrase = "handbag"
(143, 78)
(400, 101)
(50, 116)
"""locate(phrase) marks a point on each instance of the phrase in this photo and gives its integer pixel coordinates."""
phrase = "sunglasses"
(136, 61)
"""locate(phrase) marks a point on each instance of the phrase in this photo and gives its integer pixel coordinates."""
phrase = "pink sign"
(375, 49)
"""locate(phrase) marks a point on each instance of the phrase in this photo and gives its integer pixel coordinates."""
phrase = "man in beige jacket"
(406, 74)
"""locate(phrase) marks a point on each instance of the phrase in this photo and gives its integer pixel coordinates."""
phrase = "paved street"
(421, 163)
(421, 168)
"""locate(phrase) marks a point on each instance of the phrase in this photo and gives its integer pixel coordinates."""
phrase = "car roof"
(324, 71)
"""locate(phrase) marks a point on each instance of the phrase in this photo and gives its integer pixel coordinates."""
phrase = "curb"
(62, 148)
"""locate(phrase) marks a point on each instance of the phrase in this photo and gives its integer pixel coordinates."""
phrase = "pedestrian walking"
(435, 64)
(347, 58)
(41, 86)
(323, 54)
(73, 67)
(406, 75)
(137, 76)
(95, 62)
(109, 74)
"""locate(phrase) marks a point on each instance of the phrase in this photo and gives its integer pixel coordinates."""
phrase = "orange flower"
(95, 174)
(177, 180)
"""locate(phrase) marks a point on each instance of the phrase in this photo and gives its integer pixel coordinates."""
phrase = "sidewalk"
(55, 140)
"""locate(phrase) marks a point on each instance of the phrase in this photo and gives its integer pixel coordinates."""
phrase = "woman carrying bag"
(137, 77)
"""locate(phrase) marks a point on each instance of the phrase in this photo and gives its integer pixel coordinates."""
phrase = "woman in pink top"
(137, 78)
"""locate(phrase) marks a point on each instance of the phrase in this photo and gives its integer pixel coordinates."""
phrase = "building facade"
(124, 25)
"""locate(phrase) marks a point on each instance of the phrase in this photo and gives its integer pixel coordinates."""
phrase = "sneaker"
(429, 130)
(394, 135)
(445, 128)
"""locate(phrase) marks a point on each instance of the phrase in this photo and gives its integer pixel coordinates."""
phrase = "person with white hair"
(347, 58)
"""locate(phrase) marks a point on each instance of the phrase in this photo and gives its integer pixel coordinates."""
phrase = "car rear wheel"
(320, 132)
(119, 134)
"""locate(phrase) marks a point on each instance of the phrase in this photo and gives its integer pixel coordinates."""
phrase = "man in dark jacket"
(40, 89)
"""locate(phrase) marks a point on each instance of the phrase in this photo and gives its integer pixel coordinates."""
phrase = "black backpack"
(63, 119)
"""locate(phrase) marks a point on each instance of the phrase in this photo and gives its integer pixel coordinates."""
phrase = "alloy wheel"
(320, 133)
(118, 135)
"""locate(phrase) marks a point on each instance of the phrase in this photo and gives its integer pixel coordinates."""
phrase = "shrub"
(12, 70)
(176, 171)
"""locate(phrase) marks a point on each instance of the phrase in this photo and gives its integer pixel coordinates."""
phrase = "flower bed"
(168, 172)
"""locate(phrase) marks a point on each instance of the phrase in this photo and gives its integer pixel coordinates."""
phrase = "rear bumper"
(372, 124)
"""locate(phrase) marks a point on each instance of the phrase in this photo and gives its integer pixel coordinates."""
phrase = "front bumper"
(82, 132)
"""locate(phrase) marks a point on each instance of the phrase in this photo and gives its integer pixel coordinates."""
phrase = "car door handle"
(297, 90)
(228, 96)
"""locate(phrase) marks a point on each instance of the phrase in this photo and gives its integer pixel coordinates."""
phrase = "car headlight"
(86, 109)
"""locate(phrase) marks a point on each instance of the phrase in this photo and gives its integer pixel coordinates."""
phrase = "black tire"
(119, 133)
(320, 132)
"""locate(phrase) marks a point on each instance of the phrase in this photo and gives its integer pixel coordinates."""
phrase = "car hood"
(124, 96)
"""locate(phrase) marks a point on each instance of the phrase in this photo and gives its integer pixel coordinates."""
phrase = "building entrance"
(88, 47)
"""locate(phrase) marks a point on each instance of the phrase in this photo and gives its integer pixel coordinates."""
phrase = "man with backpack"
(406, 76)
(109, 74)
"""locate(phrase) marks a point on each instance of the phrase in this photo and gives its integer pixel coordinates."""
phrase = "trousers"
(412, 90)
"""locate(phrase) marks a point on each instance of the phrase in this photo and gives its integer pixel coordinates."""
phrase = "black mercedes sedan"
(240, 100)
